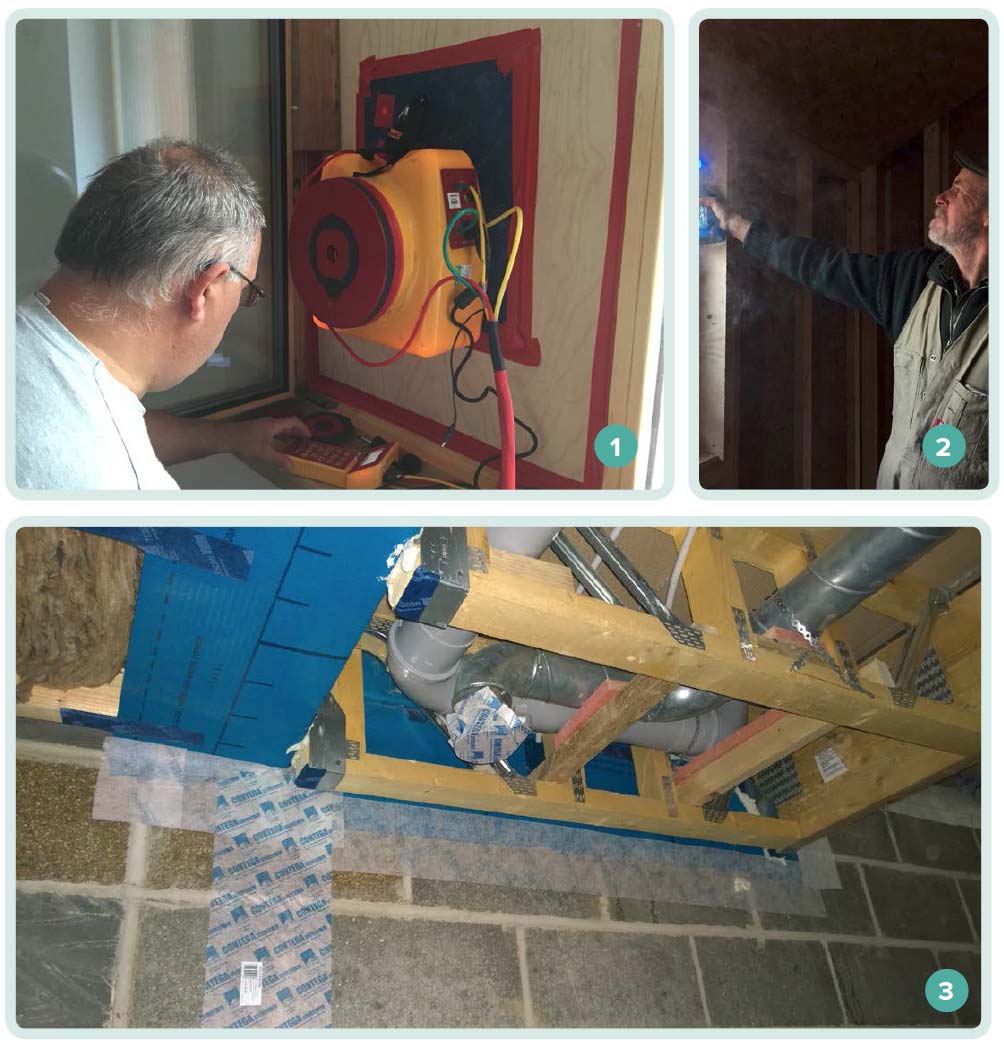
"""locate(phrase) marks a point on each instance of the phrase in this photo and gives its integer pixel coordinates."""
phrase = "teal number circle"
(944, 446)
(615, 445)
(946, 990)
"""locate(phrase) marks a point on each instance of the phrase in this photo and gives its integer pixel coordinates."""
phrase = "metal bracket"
(668, 795)
(717, 808)
(441, 581)
(684, 634)
(932, 683)
(779, 781)
(639, 589)
(808, 547)
(517, 783)
(742, 628)
(327, 747)
(906, 699)
(850, 668)
(476, 559)
(915, 661)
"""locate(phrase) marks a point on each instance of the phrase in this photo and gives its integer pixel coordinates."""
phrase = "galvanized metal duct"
(853, 568)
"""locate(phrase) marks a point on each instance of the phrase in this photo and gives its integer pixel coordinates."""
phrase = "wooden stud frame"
(887, 750)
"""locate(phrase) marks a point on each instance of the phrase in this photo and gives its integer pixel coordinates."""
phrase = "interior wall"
(814, 401)
(580, 66)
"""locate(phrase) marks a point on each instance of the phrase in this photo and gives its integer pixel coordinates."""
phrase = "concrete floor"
(112, 921)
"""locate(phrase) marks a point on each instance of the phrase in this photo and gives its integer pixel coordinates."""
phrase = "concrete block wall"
(112, 923)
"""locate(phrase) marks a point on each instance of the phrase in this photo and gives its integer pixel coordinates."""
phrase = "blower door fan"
(366, 252)
(345, 251)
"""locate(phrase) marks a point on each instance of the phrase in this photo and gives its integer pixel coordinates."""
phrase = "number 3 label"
(946, 990)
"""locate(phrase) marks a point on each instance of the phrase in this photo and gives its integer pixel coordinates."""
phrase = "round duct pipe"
(423, 660)
(853, 568)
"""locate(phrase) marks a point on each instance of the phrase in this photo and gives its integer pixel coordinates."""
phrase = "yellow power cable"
(518, 212)
(481, 228)
(429, 481)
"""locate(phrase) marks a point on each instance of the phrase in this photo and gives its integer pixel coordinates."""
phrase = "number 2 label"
(944, 448)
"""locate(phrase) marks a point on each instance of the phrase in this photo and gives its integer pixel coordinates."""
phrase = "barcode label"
(250, 982)
(453, 201)
(829, 764)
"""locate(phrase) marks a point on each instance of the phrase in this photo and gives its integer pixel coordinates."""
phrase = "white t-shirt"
(78, 428)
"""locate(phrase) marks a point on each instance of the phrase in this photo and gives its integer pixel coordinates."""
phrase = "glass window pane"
(88, 89)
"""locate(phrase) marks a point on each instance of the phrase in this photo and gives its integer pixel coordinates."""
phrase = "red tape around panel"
(527, 474)
(606, 324)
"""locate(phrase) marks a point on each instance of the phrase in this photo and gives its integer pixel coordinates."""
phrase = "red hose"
(507, 432)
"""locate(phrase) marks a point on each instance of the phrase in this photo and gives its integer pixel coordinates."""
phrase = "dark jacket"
(884, 286)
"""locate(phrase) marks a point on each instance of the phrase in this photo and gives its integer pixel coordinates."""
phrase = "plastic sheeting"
(391, 837)
(270, 902)
(446, 844)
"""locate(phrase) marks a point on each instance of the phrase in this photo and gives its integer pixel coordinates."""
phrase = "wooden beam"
(745, 752)
(482, 790)
(45, 702)
(617, 709)
(514, 605)
(639, 295)
(878, 771)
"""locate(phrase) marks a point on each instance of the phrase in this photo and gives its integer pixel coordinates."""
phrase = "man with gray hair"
(933, 307)
(154, 260)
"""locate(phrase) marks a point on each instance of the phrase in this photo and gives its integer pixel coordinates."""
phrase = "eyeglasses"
(252, 293)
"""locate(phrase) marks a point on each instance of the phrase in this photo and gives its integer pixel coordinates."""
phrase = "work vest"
(932, 385)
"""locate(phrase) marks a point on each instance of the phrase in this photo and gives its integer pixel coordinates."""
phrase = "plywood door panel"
(580, 63)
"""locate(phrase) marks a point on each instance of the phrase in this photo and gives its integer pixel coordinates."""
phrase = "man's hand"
(731, 221)
(254, 440)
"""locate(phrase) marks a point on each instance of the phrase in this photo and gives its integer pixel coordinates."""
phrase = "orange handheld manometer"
(339, 466)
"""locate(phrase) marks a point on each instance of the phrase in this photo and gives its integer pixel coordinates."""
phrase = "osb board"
(75, 595)
(580, 63)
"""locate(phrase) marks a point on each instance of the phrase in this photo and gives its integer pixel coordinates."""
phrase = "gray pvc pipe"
(423, 660)
(431, 667)
(853, 568)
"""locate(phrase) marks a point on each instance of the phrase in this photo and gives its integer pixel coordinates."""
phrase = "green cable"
(446, 246)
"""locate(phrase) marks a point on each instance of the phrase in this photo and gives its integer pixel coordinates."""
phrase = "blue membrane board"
(239, 666)
(397, 727)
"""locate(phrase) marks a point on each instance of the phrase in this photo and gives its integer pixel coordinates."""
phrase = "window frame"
(278, 387)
